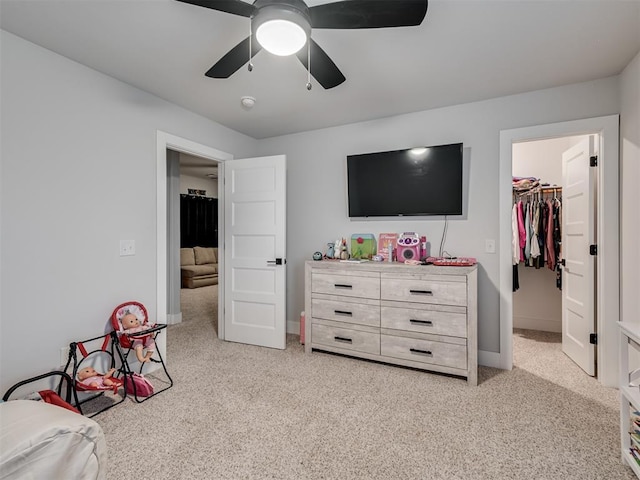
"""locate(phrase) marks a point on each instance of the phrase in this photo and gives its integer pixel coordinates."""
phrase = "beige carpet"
(244, 412)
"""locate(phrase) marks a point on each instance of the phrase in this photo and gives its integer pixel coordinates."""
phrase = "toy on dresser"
(342, 252)
(330, 250)
(409, 247)
(337, 250)
(451, 261)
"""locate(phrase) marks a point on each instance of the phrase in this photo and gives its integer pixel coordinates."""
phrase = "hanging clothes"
(515, 236)
(557, 239)
(515, 246)
(535, 243)
(527, 228)
(536, 225)
(549, 243)
(522, 234)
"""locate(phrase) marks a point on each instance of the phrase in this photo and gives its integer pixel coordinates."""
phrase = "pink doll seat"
(125, 344)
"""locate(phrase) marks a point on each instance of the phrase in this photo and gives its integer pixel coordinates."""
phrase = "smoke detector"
(247, 102)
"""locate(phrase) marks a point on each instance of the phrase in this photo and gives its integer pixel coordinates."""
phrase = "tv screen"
(416, 181)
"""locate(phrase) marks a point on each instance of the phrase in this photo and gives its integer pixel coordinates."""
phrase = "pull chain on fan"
(250, 66)
(309, 65)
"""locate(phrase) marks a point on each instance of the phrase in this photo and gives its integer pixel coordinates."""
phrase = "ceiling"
(465, 50)
(197, 167)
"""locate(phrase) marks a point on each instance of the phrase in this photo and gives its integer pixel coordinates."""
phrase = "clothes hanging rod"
(538, 189)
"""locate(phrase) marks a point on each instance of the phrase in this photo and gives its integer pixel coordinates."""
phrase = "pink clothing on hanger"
(521, 230)
(551, 252)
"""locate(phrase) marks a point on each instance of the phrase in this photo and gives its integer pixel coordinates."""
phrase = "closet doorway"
(554, 216)
(607, 261)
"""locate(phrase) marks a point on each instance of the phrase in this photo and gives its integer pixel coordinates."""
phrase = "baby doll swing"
(86, 379)
(134, 334)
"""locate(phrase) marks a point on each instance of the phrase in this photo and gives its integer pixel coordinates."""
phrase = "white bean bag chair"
(39, 440)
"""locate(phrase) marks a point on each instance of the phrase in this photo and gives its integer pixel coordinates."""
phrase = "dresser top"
(390, 267)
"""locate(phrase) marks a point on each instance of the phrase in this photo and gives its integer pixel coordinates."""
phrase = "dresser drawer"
(347, 285)
(345, 338)
(453, 324)
(346, 311)
(424, 351)
(424, 291)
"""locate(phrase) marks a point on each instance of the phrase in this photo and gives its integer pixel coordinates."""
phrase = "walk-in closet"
(553, 212)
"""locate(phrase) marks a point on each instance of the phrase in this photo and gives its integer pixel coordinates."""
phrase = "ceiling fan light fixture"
(281, 37)
(281, 27)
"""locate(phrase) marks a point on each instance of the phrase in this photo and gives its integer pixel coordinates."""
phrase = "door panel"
(578, 277)
(255, 228)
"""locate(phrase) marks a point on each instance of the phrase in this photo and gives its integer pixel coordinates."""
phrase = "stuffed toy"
(89, 377)
(131, 324)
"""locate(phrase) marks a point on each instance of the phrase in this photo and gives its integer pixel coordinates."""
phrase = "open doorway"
(607, 303)
(168, 242)
(553, 308)
(199, 240)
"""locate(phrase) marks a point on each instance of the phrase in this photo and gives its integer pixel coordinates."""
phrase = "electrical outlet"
(490, 246)
(127, 247)
(64, 355)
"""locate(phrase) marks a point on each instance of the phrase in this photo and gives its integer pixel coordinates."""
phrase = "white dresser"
(418, 316)
(629, 394)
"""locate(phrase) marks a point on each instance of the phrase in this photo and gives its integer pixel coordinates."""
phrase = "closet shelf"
(537, 189)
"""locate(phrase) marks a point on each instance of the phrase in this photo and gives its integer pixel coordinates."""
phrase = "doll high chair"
(127, 341)
(102, 358)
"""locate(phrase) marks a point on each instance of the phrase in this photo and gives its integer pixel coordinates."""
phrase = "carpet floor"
(243, 412)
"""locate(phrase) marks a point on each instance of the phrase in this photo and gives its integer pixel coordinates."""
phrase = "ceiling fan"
(283, 27)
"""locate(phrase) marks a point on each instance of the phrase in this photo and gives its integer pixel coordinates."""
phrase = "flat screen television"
(416, 181)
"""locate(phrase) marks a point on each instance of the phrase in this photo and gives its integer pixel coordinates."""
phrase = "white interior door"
(578, 277)
(255, 246)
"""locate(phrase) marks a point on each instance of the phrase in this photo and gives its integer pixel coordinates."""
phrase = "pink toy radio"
(409, 247)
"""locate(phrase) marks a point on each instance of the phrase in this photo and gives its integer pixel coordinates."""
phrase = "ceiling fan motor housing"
(295, 11)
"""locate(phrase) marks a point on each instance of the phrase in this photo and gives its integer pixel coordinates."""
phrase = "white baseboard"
(541, 324)
(293, 327)
(173, 318)
(489, 359)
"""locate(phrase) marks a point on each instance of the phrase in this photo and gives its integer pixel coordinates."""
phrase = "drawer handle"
(342, 285)
(421, 352)
(422, 292)
(428, 323)
(343, 312)
(343, 339)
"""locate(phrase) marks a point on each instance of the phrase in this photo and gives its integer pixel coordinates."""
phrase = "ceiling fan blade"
(322, 67)
(236, 7)
(349, 14)
(234, 59)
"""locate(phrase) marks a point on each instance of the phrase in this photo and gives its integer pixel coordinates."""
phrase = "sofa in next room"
(198, 266)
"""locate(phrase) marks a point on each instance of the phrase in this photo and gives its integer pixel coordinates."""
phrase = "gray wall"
(78, 175)
(316, 190)
(630, 179)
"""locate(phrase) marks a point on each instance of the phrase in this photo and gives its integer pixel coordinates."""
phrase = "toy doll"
(131, 324)
(89, 377)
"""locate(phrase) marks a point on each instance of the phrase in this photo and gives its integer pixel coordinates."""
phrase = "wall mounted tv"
(416, 181)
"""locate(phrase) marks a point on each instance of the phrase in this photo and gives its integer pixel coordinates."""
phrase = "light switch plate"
(490, 246)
